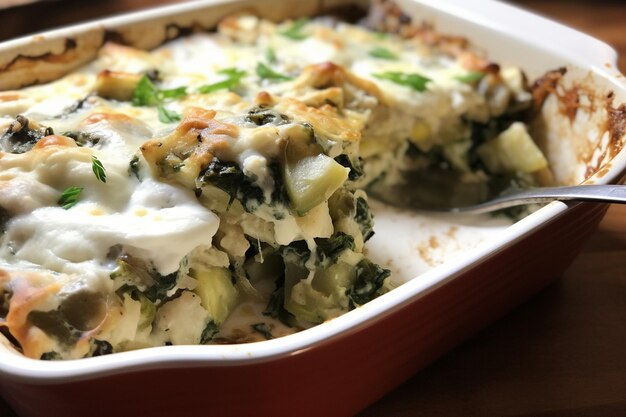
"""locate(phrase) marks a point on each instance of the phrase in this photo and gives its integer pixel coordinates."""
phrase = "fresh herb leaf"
(98, 169)
(383, 53)
(295, 30)
(233, 77)
(69, 197)
(173, 93)
(415, 81)
(263, 329)
(266, 72)
(167, 116)
(270, 55)
(381, 35)
(146, 93)
(470, 77)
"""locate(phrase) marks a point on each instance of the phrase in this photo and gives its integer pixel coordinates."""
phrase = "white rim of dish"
(589, 53)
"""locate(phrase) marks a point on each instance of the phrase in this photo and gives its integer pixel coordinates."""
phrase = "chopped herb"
(470, 77)
(383, 53)
(233, 77)
(263, 329)
(209, 332)
(295, 30)
(98, 169)
(167, 116)
(270, 55)
(369, 280)
(174, 93)
(69, 197)
(146, 93)
(381, 35)
(20, 137)
(267, 73)
(415, 81)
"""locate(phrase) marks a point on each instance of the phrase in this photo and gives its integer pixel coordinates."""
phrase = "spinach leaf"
(369, 280)
(209, 332)
(364, 218)
(329, 249)
(20, 137)
(263, 329)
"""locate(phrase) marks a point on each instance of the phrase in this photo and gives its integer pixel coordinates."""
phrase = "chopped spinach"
(20, 137)
(51, 356)
(276, 305)
(356, 171)
(134, 167)
(100, 347)
(228, 177)
(329, 249)
(279, 194)
(4, 219)
(83, 139)
(162, 284)
(263, 329)
(209, 332)
(364, 218)
(369, 280)
(54, 324)
(262, 116)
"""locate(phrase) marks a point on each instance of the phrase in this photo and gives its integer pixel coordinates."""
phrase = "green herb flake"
(267, 73)
(146, 93)
(233, 77)
(167, 116)
(383, 53)
(69, 197)
(270, 55)
(263, 329)
(470, 77)
(98, 169)
(415, 81)
(173, 93)
(295, 31)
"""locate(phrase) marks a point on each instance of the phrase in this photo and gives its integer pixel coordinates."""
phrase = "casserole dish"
(387, 319)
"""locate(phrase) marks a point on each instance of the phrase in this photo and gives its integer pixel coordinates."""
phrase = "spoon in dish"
(407, 196)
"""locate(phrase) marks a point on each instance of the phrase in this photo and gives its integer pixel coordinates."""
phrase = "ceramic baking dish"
(444, 296)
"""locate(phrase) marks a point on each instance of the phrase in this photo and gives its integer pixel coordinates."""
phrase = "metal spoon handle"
(599, 193)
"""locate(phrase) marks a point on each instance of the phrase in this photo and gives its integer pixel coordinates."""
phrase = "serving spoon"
(408, 196)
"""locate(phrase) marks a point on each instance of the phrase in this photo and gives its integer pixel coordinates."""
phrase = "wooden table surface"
(562, 354)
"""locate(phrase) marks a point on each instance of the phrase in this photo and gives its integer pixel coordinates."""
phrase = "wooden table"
(561, 354)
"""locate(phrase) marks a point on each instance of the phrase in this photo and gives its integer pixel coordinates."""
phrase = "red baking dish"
(341, 366)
